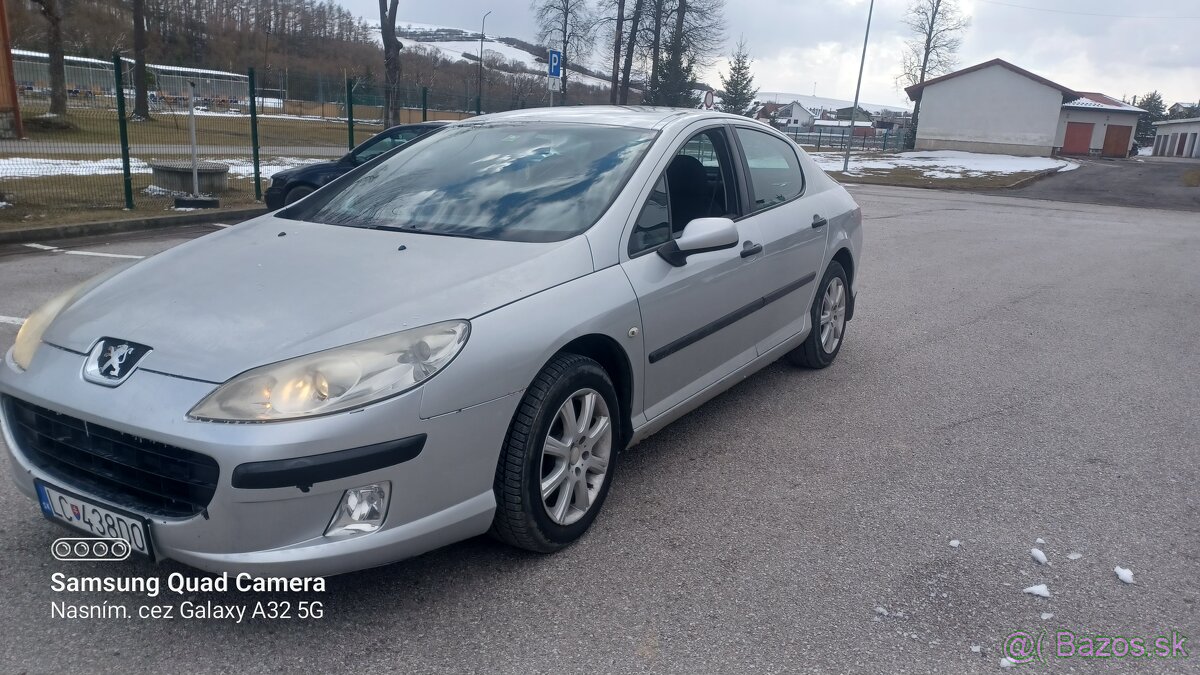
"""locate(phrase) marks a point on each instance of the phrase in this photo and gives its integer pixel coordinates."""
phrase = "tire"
(816, 352)
(296, 194)
(540, 447)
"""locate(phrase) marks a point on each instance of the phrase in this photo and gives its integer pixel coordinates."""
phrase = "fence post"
(254, 135)
(424, 104)
(123, 128)
(478, 105)
(819, 134)
(349, 113)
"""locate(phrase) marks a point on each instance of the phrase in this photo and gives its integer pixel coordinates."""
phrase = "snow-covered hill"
(453, 43)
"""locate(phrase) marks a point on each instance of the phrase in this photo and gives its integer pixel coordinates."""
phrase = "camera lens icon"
(79, 549)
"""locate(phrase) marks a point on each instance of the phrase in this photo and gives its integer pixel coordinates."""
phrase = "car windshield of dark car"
(517, 182)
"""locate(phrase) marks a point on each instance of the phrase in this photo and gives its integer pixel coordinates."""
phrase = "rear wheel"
(828, 314)
(557, 462)
(296, 194)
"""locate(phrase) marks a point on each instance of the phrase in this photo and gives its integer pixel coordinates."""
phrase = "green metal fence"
(100, 157)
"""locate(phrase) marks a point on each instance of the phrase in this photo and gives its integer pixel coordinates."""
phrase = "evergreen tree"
(739, 86)
(1156, 111)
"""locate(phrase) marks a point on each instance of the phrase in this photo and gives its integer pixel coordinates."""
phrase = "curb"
(1030, 179)
(35, 234)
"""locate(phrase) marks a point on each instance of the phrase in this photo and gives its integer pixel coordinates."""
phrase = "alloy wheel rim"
(833, 315)
(575, 456)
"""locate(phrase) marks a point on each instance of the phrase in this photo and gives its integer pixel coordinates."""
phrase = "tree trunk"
(566, 37)
(629, 48)
(391, 62)
(52, 10)
(655, 47)
(616, 61)
(141, 98)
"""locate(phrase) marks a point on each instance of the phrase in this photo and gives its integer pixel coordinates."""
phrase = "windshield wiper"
(396, 228)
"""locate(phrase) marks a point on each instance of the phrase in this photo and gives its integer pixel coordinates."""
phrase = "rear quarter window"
(775, 174)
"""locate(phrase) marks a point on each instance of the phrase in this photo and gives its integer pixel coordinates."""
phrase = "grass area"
(915, 177)
(98, 125)
(1192, 178)
(47, 201)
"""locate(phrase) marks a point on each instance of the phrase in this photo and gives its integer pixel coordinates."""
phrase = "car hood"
(271, 289)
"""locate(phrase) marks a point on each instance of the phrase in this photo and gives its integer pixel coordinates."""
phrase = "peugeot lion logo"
(112, 361)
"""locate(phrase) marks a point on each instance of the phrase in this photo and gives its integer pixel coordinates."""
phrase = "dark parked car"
(291, 185)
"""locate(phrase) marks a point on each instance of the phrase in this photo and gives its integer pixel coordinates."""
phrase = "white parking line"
(16, 321)
(55, 249)
(105, 255)
(220, 225)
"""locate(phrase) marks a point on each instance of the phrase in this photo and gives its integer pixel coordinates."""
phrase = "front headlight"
(336, 379)
(29, 337)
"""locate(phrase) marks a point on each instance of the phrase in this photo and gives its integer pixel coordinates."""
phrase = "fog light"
(361, 510)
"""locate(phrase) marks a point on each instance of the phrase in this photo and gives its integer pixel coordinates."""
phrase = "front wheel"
(828, 314)
(557, 462)
(296, 194)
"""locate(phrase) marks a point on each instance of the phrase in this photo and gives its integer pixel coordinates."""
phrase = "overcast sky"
(1117, 47)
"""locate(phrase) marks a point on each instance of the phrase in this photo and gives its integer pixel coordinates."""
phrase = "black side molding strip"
(729, 319)
(302, 472)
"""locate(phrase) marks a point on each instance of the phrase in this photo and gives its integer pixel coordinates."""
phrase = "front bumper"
(274, 197)
(441, 495)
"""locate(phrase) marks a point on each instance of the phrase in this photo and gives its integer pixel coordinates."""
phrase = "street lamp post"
(482, 27)
(858, 89)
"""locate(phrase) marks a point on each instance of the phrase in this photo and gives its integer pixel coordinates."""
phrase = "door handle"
(818, 221)
(750, 248)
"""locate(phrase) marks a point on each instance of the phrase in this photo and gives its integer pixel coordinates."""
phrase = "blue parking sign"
(555, 61)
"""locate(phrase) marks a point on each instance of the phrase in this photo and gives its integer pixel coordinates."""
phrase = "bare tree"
(141, 97)
(569, 25)
(937, 27)
(618, 35)
(391, 61)
(630, 47)
(52, 10)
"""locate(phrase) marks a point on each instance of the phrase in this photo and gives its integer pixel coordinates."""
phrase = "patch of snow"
(1039, 540)
(4, 205)
(1041, 590)
(881, 611)
(1074, 556)
(1046, 616)
(943, 164)
(1038, 555)
(183, 208)
(30, 167)
(1006, 662)
(976, 648)
(1124, 574)
(954, 543)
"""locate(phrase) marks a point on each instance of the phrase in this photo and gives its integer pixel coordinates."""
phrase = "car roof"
(644, 117)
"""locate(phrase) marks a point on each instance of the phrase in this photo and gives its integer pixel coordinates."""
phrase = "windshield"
(516, 182)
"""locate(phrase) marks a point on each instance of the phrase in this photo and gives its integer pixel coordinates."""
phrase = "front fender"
(509, 345)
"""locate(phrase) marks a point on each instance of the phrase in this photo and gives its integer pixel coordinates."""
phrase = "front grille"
(120, 468)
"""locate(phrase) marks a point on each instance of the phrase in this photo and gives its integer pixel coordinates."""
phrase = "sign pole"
(858, 89)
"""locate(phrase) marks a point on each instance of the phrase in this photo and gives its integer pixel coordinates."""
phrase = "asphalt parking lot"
(1150, 182)
(1017, 370)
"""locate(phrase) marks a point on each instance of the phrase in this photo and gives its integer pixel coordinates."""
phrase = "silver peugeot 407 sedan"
(458, 337)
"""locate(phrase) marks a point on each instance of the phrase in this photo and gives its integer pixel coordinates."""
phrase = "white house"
(1096, 125)
(796, 117)
(1177, 138)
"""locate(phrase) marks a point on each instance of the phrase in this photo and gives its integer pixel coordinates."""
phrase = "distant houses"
(799, 117)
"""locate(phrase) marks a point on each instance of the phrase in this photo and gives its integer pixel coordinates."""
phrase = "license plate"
(100, 521)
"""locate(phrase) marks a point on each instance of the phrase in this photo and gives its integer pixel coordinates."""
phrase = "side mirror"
(349, 158)
(700, 236)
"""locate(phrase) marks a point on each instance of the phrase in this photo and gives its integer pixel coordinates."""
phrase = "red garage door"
(1116, 141)
(1078, 139)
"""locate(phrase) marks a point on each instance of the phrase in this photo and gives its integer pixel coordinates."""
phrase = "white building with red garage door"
(1097, 125)
(997, 107)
